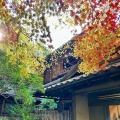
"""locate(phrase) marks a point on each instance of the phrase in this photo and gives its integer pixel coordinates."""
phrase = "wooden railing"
(53, 115)
(43, 115)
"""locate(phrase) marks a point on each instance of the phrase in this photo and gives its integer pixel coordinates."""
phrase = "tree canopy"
(27, 33)
(98, 19)
(25, 36)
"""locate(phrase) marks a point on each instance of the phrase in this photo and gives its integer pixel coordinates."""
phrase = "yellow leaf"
(119, 51)
(1, 6)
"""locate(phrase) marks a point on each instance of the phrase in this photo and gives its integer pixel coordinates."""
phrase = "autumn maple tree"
(26, 33)
(100, 38)
(100, 22)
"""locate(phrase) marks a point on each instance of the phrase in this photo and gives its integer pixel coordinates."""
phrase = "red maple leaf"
(70, 1)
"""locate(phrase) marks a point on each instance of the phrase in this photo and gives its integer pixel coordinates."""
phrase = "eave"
(68, 86)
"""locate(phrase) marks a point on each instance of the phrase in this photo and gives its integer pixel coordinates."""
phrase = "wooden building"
(88, 97)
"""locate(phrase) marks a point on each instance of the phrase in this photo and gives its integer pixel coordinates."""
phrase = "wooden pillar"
(80, 107)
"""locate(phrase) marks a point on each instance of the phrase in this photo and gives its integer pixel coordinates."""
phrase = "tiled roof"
(79, 78)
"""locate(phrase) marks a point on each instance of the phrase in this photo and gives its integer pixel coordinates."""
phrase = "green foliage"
(48, 104)
(20, 111)
(26, 111)
(22, 87)
(4, 119)
(22, 62)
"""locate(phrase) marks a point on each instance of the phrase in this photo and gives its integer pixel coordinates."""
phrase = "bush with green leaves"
(22, 88)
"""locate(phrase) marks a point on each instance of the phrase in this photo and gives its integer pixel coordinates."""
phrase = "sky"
(60, 36)
(62, 33)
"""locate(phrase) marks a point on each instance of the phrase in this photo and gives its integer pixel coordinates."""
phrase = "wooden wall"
(53, 71)
(63, 65)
